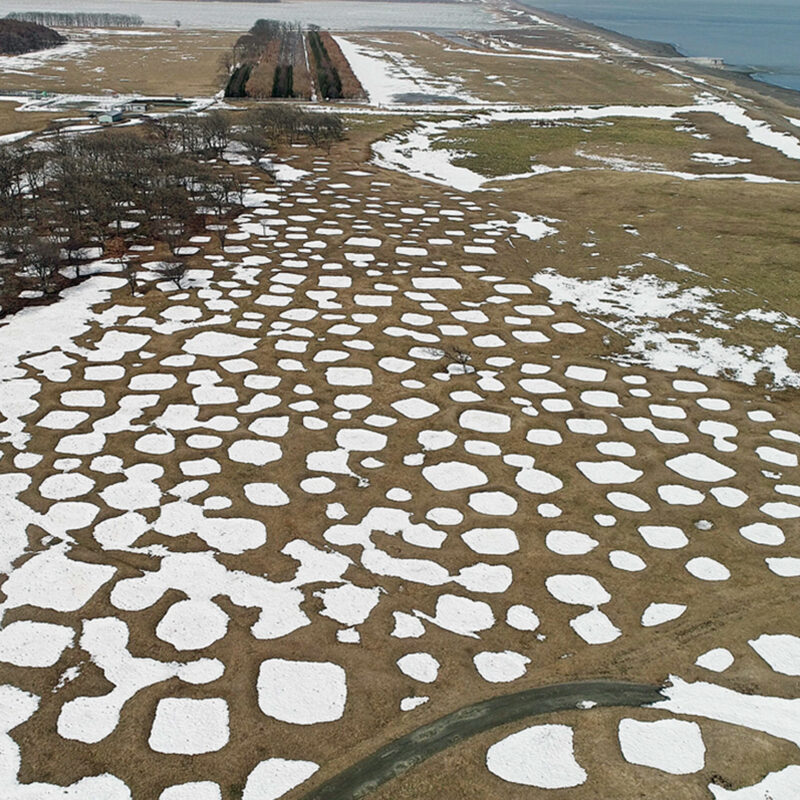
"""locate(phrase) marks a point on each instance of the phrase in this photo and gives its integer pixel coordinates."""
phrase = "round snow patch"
(421, 667)
(301, 692)
(763, 533)
(781, 651)
(196, 790)
(188, 727)
(501, 667)
(659, 613)
(698, 467)
(671, 745)
(275, 777)
(594, 627)
(569, 543)
(452, 475)
(219, 345)
(707, 569)
(34, 644)
(716, 660)
(192, 624)
(580, 590)
(254, 451)
(266, 494)
(348, 376)
(540, 756)
(496, 504)
(491, 541)
(522, 618)
(317, 485)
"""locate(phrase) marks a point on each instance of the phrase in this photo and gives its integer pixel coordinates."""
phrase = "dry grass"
(169, 62)
(740, 236)
(13, 121)
(537, 82)
(375, 685)
(259, 85)
(301, 78)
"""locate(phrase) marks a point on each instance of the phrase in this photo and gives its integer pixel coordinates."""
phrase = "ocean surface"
(334, 14)
(760, 35)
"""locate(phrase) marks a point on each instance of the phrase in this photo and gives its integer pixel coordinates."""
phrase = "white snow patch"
(540, 756)
(301, 692)
(670, 745)
(274, 777)
(190, 727)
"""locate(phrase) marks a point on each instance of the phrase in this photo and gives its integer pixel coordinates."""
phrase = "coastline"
(742, 78)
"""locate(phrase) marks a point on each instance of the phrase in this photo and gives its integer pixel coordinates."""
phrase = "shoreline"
(742, 77)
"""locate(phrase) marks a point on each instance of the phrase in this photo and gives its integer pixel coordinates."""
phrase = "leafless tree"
(215, 130)
(42, 258)
(175, 271)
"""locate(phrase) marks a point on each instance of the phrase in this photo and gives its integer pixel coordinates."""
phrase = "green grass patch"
(510, 147)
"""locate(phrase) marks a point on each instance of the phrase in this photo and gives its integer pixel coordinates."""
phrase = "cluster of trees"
(252, 45)
(161, 183)
(258, 131)
(335, 77)
(105, 190)
(24, 37)
(80, 19)
(262, 129)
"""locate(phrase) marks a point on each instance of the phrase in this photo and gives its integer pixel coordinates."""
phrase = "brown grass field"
(738, 240)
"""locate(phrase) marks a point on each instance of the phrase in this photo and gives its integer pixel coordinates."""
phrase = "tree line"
(159, 184)
(77, 19)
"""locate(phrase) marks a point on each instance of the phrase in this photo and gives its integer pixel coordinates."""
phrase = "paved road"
(408, 751)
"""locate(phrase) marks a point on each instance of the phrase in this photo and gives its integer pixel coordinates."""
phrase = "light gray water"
(333, 14)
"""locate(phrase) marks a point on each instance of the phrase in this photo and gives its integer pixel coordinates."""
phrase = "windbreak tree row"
(270, 61)
(79, 19)
(335, 77)
(280, 60)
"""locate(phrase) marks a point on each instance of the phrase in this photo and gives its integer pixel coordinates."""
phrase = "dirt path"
(407, 752)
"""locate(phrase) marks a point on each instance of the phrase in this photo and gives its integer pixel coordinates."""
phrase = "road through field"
(408, 751)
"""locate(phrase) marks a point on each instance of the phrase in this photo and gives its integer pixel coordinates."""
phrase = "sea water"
(762, 36)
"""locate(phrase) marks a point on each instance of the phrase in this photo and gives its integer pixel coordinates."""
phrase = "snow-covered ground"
(413, 152)
(276, 354)
(388, 76)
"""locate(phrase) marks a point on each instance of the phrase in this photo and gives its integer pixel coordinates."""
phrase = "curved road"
(408, 751)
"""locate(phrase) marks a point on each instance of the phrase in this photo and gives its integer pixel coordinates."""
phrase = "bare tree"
(215, 130)
(256, 138)
(129, 270)
(42, 258)
(175, 271)
(322, 129)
